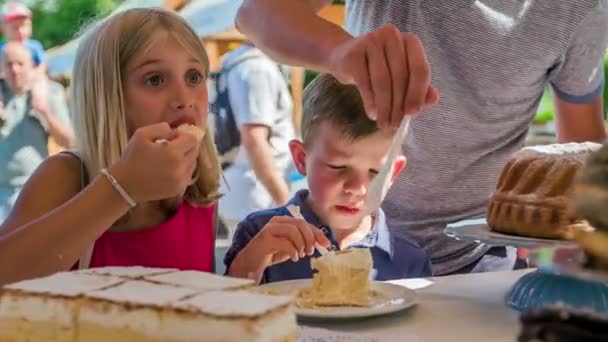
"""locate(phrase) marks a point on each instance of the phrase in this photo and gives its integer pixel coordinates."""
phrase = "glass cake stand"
(560, 278)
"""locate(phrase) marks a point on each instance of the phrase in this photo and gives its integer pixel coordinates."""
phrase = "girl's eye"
(373, 172)
(195, 78)
(155, 80)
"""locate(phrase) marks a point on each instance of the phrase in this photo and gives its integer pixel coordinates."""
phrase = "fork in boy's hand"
(295, 213)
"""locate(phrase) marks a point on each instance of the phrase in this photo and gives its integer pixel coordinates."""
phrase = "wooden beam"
(334, 14)
(231, 34)
(297, 90)
(213, 52)
(175, 5)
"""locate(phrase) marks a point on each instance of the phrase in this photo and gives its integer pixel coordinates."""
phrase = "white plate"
(392, 298)
(478, 230)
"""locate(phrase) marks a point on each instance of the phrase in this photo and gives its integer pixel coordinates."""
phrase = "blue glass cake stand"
(560, 278)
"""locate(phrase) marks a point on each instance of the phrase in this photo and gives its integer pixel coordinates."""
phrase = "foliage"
(56, 22)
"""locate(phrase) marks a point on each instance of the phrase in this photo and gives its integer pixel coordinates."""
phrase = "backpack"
(225, 131)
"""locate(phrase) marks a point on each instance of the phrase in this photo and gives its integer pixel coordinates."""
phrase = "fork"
(295, 213)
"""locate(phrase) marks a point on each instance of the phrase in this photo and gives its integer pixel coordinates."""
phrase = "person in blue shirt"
(341, 150)
(17, 26)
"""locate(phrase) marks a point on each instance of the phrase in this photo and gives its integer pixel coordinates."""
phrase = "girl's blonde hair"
(99, 99)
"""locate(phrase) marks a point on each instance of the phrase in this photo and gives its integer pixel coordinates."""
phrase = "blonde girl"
(137, 191)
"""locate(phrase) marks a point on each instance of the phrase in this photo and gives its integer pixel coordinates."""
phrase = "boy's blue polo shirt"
(394, 257)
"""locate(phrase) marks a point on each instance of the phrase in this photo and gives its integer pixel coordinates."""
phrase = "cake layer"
(200, 281)
(342, 278)
(20, 330)
(575, 150)
(63, 284)
(133, 272)
(353, 258)
(217, 332)
(49, 298)
(141, 293)
(338, 286)
(233, 304)
(212, 316)
(45, 309)
(38, 308)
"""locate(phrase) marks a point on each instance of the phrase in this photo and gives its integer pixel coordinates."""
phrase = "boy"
(341, 151)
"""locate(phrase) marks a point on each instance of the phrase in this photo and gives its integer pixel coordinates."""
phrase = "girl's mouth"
(182, 120)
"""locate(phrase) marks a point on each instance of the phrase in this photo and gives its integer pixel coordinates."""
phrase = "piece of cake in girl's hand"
(196, 131)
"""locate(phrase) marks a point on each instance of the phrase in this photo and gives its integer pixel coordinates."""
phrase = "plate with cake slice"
(341, 289)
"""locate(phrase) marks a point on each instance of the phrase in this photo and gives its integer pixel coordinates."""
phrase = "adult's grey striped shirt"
(490, 61)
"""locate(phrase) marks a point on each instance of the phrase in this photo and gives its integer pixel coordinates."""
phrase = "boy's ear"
(298, 154)
(398, 166)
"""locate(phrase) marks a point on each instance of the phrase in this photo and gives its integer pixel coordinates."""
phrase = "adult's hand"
(391, 71)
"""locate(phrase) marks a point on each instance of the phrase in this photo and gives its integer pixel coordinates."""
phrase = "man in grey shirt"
(26, 123)
(262, 106)
(490, 62)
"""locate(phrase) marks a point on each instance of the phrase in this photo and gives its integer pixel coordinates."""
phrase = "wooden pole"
(175, 5)
(297, 91)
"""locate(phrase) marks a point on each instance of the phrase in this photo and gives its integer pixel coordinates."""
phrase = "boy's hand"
(284, 238)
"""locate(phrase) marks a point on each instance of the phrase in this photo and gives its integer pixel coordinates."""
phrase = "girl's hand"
(158, 163)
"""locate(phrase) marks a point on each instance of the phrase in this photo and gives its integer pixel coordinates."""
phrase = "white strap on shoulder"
(85, 261)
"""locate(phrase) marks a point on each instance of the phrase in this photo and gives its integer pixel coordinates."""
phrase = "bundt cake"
(590, 203)
(533, 194)
(591, 190)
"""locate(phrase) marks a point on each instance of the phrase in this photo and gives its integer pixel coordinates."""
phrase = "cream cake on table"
(200, 281)
(147, 305)
(342, 278)
(43, 309)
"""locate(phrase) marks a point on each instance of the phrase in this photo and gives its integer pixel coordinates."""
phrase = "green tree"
(58, 21)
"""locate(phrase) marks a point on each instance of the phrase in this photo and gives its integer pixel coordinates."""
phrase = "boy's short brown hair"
(326, 99)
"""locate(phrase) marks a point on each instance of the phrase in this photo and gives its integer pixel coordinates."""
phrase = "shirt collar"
(378, 236)
(299, 200)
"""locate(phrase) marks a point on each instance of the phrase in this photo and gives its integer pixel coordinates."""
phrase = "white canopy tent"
(209, 17)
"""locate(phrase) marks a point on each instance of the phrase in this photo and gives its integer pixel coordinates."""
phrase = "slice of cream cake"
(342, 278)
(45, 309)
(200, 281)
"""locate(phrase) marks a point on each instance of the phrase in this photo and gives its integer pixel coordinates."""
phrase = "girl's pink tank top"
(185, 242)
